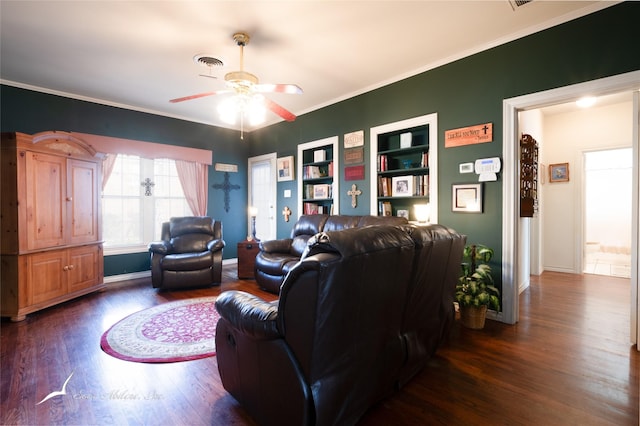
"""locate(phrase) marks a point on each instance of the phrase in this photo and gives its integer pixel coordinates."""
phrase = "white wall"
(566, 136)
(530, 231)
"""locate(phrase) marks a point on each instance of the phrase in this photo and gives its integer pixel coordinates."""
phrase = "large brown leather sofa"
(189, 253)
(357, 317)
(277, 257)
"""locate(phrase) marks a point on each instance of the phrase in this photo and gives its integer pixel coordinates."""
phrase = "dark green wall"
(31, 112)
(466, 92)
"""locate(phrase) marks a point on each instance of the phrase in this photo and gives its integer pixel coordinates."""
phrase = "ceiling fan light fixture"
(250, 108)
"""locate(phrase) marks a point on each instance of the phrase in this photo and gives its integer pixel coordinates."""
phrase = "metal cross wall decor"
(148, 184)
(226, 186)
(354, 192)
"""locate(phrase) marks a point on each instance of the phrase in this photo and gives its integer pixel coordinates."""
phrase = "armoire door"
(44, 191)
(82, 201)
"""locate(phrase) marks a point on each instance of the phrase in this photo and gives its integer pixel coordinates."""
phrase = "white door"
(263, 195)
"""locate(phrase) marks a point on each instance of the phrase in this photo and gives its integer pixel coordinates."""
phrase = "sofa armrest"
(215, 245)
(160, 247)
(276, 246)
(249, 314)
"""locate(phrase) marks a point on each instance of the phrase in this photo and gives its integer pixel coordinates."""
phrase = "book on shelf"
(308, 191)
(311, 172)
(424, 162)
(383, 165)
(330, 169)
(384, 186)
(313, 208)
(384, 208)
(421, 185)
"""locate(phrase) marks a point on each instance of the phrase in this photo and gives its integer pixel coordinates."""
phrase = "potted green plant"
(475, 291)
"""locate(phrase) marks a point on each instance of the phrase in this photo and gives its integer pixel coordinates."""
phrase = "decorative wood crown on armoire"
(51, 248)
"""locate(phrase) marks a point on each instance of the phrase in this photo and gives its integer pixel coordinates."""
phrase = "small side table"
(247, 251)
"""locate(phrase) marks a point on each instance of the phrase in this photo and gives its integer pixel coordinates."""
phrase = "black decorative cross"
(226, 186)
(354, 192)
(148, 184)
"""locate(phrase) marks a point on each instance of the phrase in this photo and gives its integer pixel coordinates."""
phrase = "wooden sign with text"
(468, 135)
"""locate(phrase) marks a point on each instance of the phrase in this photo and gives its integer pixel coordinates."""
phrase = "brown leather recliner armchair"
(277, 257)
(189, 255)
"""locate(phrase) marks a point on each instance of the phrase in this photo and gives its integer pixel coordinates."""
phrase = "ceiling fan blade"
(199, 95)
(292, 89)
(280, 110)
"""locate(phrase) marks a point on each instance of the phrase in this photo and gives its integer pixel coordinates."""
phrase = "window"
(128, 203)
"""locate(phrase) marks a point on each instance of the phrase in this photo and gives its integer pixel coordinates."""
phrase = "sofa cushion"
(190, 225)
(187, 261)
(189, 243)
(338, 223)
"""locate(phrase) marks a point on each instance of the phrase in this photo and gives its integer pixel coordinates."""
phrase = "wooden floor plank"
(568, 361)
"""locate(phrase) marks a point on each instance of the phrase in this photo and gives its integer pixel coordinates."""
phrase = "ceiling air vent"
(207, 61)
(518, 3)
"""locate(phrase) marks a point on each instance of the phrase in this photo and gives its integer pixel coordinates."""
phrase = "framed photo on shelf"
(402, 186)
(559, 172)
(403, 213)
(285, 168)
(467, 197)
(320, 191)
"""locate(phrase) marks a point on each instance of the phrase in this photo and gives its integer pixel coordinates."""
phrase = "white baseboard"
(126, 277)
(145, 274)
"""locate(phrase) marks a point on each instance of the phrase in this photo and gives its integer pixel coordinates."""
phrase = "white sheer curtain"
(193, 178)
(107, 167)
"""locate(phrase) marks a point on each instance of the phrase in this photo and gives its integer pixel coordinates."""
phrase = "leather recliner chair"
(357, 317)
(277, 257)
(189, 255)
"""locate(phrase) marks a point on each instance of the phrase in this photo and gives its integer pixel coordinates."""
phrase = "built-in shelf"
(404, 162)
(318, 180)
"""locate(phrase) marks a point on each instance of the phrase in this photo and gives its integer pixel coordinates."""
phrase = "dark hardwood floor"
(568, 361)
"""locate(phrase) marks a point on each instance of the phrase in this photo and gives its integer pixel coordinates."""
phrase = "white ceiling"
(139, 54)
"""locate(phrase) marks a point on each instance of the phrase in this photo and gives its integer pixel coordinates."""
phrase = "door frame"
(628, 82)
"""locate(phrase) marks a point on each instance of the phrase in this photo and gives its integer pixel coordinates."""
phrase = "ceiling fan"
(247, 89)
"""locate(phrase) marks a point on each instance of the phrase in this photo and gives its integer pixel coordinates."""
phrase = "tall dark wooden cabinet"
(51, 248)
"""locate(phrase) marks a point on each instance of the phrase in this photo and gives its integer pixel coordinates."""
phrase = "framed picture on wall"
(559, 172)
(467, 197)
(285, 168)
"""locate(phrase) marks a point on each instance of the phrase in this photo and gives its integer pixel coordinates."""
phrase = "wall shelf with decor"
(404, 162)
(318, 173)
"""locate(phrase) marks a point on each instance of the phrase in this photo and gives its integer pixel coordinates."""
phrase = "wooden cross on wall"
(226, 186)
(354, 192)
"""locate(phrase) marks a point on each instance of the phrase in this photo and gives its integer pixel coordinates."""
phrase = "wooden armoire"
(50, 222)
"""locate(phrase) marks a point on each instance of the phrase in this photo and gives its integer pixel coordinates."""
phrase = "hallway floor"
(612, 264)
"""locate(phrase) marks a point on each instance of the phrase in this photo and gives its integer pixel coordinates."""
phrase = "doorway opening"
(607, 207)
(262, 195)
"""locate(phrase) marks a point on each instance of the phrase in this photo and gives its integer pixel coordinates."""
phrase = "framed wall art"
(467, 197)
(285, 168)
(559, 172)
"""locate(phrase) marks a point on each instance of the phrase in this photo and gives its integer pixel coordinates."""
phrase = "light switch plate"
(287, 193)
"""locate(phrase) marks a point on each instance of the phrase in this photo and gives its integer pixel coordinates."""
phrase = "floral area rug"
(176, 331)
